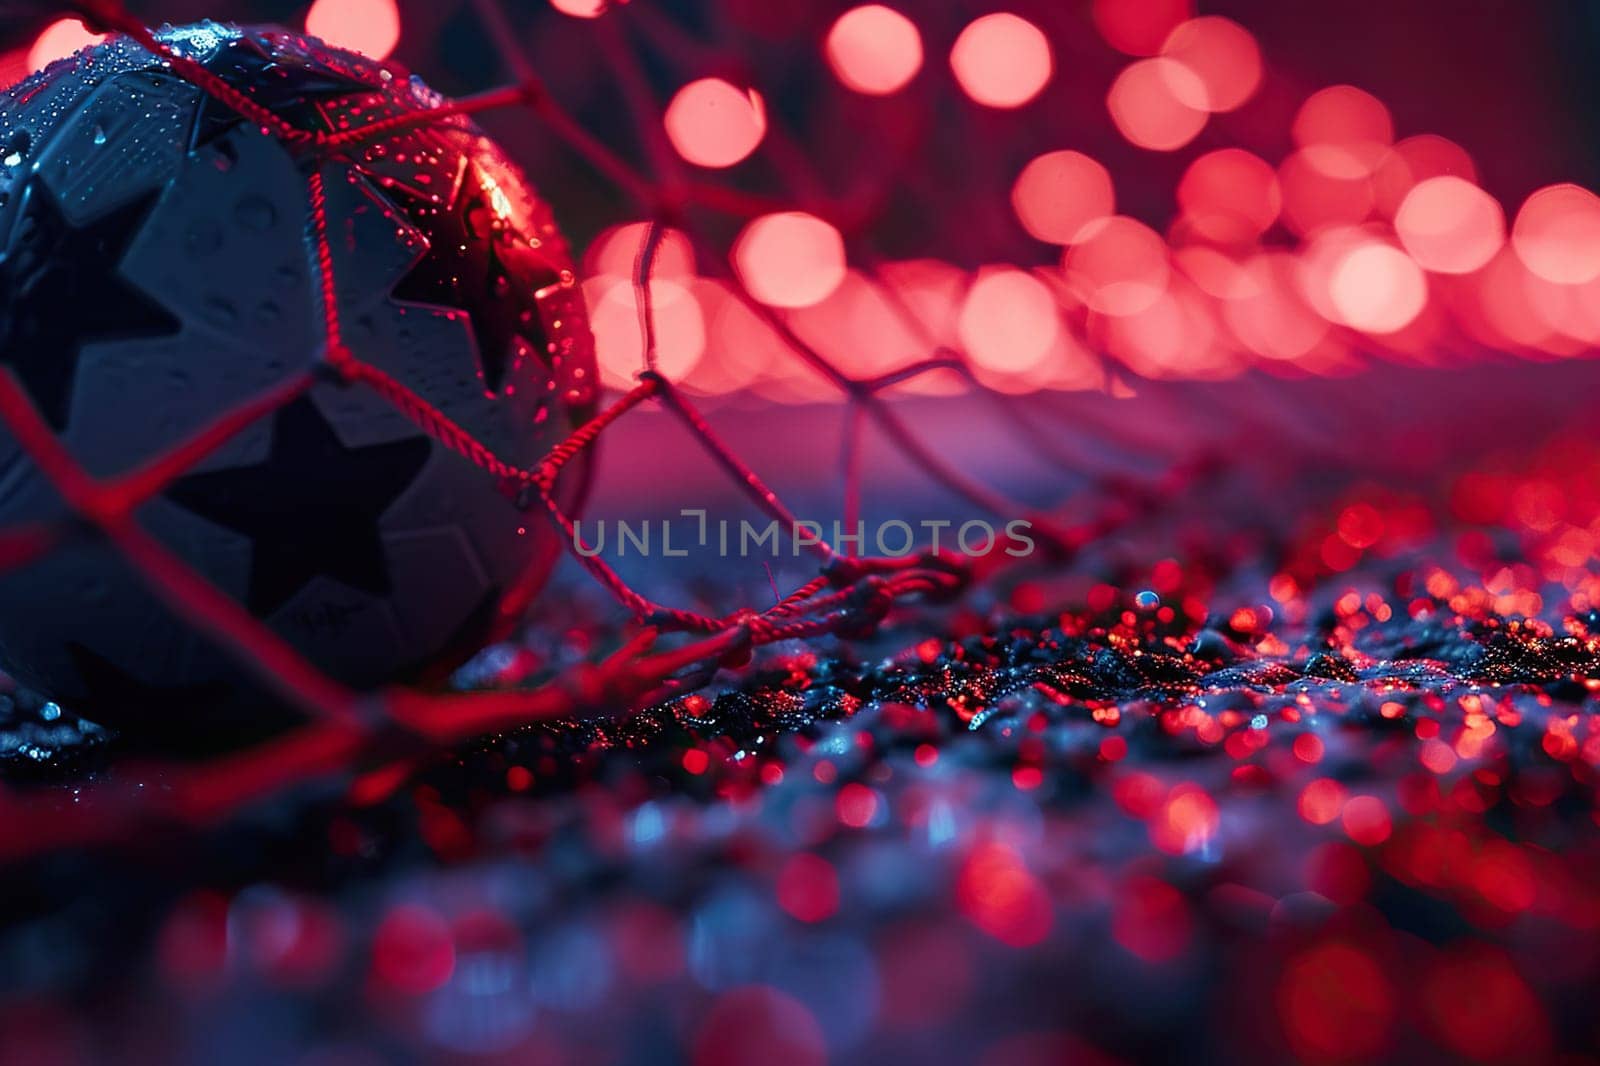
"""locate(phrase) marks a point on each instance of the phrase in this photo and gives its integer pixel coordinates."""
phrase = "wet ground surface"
(1319, 789)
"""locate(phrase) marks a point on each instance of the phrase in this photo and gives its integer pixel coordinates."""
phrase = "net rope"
(346, 729)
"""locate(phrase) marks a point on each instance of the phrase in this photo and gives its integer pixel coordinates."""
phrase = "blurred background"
(1070, 201)
(948, 163)
(1066, 201)
(1346, 253)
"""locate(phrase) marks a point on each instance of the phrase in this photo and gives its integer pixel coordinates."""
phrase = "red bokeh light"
(861, 327)
(790, 259)
(59, 40)
(1214, 272)
(1366, 820)
(874, 49)
(583, 9)
(713, 123)
(1321, 801)
(680, 331)
(1314, 199)
(1146, 102)
(1151, 920)
(13, 67)
(1138, 27)
(1415, 160)
(1335, 1004)
(857, 805)
(1344, 131)
(1224, 58)
(808, 888)
(1230, 196)
(1360, 525)
(1493, 304)
(1557, 234)
(927, 296)
(1376, 288)
(413, 950)
(1173, 337)
(1449, 225)
(1569, 311)
(1185, 822)
(1267, 312)
(1481, 1008)
(741, 347)
(1002, 61)
(371, 27)
(1059, 193)
(996, 891)
(1009, 320)
(616, 252)
(1118, 267)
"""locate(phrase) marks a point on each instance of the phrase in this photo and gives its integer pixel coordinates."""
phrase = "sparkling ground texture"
(1298, 772)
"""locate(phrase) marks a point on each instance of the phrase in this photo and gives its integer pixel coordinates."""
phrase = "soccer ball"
(158, 268)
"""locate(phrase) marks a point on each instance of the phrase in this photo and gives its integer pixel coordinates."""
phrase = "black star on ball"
(294, 91)
(477, 264)
(311, 509)
(65, 292)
